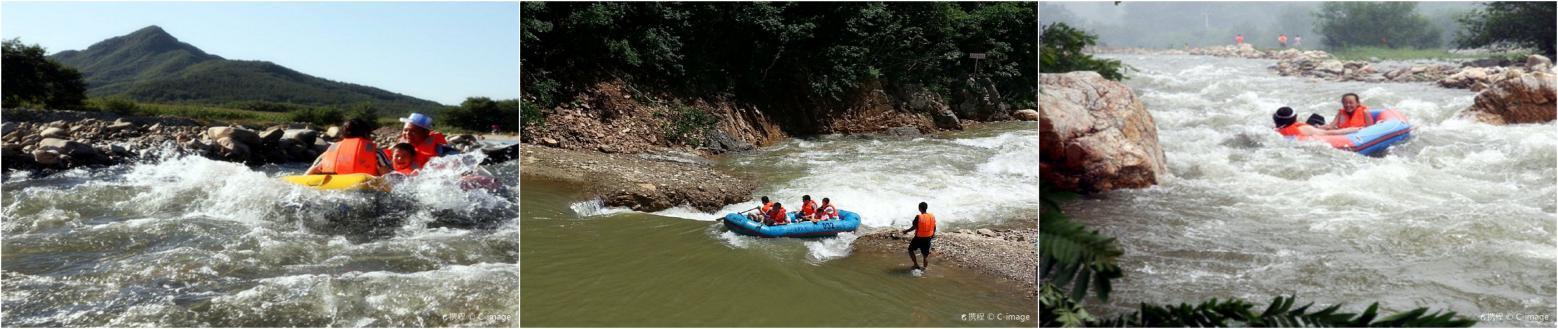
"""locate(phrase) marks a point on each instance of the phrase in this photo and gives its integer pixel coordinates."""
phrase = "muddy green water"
(586, 266)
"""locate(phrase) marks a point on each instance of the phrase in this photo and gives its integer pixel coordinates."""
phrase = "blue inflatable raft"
(1390, 127)
(848, 221)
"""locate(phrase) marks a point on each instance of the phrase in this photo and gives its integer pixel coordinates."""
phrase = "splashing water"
(1461, 217)
(188, 241)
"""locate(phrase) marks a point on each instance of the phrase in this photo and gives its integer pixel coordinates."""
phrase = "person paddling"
(924, 228)
(354, 154)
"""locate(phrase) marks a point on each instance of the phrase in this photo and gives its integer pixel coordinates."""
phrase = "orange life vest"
(426, 150)
(926, 226)
(828, 211)
(777, 215)
(350, 156)
(767, 205)
(809, 209)
(1360, 118)
(1292, 130)
(1282, 39)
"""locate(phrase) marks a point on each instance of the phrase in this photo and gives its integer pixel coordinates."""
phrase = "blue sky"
(439, 51)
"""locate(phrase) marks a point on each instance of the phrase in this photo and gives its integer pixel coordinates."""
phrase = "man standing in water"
(1352, 114)
(924, 227)
(1238, 39)
(1283, 40)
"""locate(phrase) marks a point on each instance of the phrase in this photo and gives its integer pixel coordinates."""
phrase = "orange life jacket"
(1282, 39)
(1360, 118)
(809, 209)
(1292, 130)
(350, 156)
(777, 215)
(926, 226)
(1238, 39)
(426, 150)
(767, 205)
(828, 211)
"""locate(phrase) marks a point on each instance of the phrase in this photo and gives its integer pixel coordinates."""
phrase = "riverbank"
(46, 141)
(644, 182)
(1008, 252)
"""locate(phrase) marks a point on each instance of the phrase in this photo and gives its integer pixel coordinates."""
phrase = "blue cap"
(419, 120)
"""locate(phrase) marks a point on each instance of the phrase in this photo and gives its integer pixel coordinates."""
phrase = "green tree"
(1523, 24)
(30, 79)
(1062, 52)
(1376, 24)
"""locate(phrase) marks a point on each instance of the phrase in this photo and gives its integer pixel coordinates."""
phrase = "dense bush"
(1062, 52)
(30, 79)
(1522, 24)
(796, 55)
(1376, 24)
(687, 124)
(317, 115)
(117, 105)
(480, 113)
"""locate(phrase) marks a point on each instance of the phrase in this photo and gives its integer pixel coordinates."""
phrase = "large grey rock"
(54, 132)
(1095, 135)
(302, 136)
(903, 131)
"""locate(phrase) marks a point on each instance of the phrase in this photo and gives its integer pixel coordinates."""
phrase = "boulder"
(1525, 98)
(944, 118)
(1331, 66)
(302, 136)
(54, 132)
(272, 136)
(1026, 115)
(905, 131)
(1095, 135)
(1536, 62)
(548, 141)
(232, 148)
(46, 157)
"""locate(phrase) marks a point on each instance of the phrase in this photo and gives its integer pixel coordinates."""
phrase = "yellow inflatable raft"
(339, 182)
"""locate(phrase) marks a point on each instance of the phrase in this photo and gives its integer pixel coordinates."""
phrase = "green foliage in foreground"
(1061, 52)
(1520, 24)
(32, 80)
(1071, 254)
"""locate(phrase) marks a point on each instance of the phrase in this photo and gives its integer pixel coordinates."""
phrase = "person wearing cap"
(1287, 125)
(418, 132)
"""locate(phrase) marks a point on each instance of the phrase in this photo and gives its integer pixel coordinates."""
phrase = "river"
(585, 265)
(1459, 218)
(192, 242)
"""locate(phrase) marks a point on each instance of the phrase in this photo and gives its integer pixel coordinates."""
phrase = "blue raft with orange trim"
(1390, 127)
(848, 221)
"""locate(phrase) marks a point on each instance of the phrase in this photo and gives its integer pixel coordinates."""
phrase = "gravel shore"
(642, 182)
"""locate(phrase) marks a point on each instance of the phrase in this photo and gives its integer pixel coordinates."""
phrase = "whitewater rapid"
(1460, 217)
(188, 241)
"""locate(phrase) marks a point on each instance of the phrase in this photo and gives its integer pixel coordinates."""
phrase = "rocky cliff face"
(1095, 135)
(1516, 98)
(612, 117)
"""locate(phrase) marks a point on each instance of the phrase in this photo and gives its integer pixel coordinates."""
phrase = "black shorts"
(923, 244)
